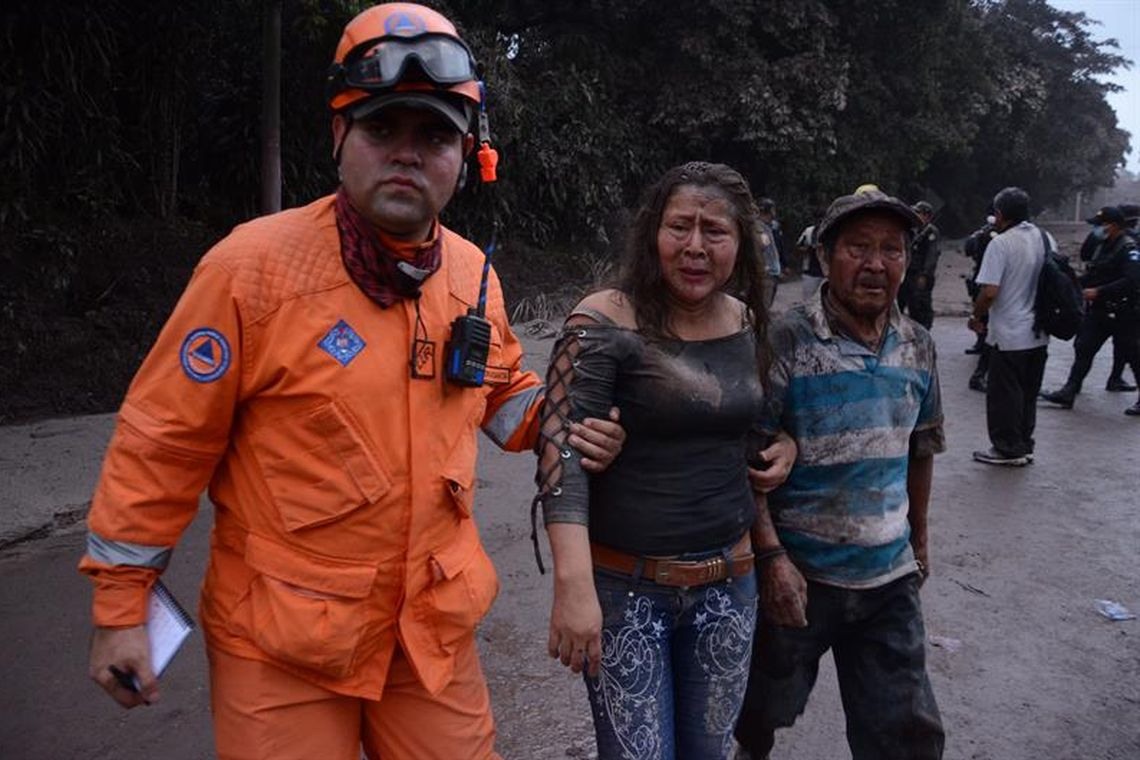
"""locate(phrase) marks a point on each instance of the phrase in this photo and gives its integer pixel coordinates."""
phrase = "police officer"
(1131, 213)
(918, 286)
(1116, 381)
(1113, 298)
(975, 247)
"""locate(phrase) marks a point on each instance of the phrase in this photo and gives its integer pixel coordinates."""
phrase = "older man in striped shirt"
(842, 546)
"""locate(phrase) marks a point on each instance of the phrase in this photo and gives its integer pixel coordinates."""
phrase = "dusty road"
(1031, 672)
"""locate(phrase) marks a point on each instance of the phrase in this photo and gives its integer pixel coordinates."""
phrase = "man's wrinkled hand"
(783, 593)
(922, 559)
(779, 456)
(598, 441)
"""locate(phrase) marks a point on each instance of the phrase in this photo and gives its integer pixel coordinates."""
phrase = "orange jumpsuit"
(342, 485)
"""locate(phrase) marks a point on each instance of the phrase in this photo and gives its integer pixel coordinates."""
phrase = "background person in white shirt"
(1007, 286)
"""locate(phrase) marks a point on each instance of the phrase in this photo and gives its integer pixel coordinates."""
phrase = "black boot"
(1062, 397)
(1116, 374)
(1117, 384)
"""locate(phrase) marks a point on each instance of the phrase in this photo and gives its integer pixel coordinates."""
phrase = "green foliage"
(1045, 125)
(945, 99)
(130, 114)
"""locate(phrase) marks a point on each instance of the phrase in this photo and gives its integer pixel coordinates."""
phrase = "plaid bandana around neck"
(383, 275)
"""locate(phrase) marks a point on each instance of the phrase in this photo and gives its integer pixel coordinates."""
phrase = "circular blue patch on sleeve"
(205, 355)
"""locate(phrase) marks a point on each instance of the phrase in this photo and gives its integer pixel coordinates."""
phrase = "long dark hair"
(640, 277)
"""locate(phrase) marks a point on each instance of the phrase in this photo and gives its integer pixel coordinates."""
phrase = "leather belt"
(676, 572)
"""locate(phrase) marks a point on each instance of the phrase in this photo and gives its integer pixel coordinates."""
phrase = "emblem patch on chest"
(205, 355)
(342, 343)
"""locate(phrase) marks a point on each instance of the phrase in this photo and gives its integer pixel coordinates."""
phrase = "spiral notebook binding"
(167, 598)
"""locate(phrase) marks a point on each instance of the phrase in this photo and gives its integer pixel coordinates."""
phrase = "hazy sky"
(1119, 20)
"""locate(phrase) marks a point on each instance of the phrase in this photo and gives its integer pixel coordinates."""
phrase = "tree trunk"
(271, 109)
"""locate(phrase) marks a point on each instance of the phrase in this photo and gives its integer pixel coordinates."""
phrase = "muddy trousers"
(264, 713)
(879, 643)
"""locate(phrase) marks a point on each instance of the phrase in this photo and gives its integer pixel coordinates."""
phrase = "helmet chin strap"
(339, 147)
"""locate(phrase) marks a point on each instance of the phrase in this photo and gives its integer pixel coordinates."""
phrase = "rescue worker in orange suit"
(301, 379)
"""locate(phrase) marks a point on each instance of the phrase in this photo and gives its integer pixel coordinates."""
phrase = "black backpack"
(1058, 305)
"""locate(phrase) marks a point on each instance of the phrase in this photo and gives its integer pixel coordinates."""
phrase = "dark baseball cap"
(1131, 211)
(1108, 215)
(867, 200)
(455, 110)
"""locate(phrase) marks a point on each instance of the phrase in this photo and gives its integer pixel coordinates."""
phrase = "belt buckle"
(695, 573)
(713, 568)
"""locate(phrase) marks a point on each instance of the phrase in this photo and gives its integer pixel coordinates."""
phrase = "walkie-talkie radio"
(465, 354)
(466, 351)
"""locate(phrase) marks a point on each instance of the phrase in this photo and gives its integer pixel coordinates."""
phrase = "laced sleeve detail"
(579, 384)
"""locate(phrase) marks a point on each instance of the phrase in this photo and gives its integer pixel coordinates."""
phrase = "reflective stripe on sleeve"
(510, 415)
(110, 552)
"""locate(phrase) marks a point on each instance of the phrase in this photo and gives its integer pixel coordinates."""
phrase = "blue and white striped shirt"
(857, 415)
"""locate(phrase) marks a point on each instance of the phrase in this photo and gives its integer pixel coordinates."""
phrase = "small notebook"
(167, 624)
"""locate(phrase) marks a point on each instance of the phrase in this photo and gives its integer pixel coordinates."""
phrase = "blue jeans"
(879, 644)
(674, 667)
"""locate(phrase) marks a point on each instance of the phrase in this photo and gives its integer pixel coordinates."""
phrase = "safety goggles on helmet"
(383, 62)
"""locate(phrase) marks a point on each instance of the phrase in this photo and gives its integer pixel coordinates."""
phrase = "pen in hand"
(128, 681)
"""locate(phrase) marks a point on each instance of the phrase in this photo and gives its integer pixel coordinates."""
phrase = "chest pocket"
(317, 466)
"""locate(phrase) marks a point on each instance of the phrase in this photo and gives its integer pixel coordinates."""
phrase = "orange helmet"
(405, 48)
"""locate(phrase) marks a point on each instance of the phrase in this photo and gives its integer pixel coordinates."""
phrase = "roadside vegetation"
(130, 138)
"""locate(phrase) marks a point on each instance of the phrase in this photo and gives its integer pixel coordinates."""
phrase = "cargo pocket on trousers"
(456, 603)
(305, 611)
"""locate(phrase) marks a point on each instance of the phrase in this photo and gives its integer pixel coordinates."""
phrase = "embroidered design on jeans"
(630, 674)
(724, 650)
